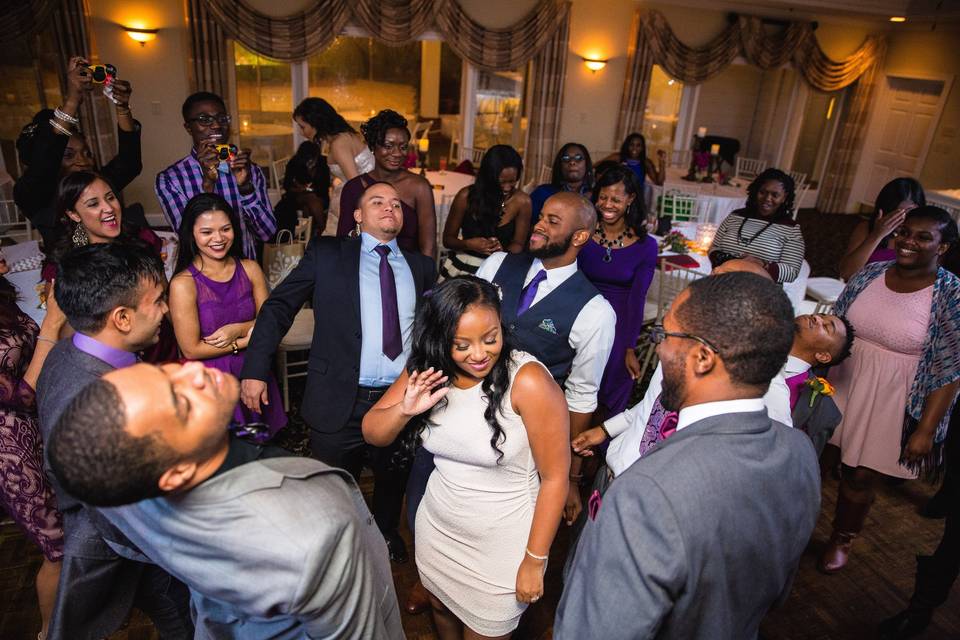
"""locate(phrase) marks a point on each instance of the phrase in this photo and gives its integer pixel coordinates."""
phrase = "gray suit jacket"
(277, 548)
(699, 538)
(819, 421)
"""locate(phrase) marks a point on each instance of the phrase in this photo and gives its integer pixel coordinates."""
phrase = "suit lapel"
(802, 410)
(350, 255)
(415, 269)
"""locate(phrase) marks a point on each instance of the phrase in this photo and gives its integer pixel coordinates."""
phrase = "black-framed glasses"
(571, 158)
(658, 334)
(205, 119)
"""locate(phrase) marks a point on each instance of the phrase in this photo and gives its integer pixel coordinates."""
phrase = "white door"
(899, 136)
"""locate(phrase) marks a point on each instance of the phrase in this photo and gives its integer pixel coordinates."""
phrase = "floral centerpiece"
(674, 241)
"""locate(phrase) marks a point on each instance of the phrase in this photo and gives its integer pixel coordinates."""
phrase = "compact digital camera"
(226, 151)
(103, 73)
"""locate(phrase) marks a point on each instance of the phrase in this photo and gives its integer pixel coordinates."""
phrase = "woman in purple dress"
(215, 297)
(24, 491)
(619, 260)
(872, 239)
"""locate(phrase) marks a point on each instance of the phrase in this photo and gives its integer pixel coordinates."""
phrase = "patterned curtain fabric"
(24, 18)
(288, 38)
(96, 112)
(208, 48)
(655, 43)
(546, 108)
(842, 167)
(298, 36)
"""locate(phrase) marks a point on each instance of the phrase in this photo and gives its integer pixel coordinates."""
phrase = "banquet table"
(715, 201)
(446, 185)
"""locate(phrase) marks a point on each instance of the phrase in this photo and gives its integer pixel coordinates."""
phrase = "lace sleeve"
(17, 340)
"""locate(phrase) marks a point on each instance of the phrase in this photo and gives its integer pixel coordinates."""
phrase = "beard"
(674, 385)
(552, 250)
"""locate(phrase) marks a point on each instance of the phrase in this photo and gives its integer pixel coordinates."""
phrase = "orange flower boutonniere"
(820, 386)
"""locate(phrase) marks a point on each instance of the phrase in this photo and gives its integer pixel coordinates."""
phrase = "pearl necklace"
(608, 244)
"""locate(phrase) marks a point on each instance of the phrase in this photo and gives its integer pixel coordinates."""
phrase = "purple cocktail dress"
(623, 281)
(222, 303)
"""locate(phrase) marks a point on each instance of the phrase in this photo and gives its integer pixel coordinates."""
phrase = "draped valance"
(395, 22)
(655, 43)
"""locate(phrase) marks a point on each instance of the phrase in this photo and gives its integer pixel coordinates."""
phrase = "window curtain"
(208, 48)
(300, 35)
(655, 43)
(24, 18)
(546, 107)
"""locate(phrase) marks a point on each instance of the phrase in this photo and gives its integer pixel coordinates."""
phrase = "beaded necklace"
(608, 244)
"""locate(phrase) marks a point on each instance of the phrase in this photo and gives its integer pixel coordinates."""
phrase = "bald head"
(584, 213)
(739, 265)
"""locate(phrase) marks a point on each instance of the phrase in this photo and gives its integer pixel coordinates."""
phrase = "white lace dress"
(365, 164)
(474, 521)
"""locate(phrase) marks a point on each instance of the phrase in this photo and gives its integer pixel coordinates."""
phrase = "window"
(820, 115)
(264, 106)
(499, 109)
(661, 112)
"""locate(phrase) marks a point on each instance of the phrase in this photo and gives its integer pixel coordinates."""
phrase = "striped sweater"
(779, 245)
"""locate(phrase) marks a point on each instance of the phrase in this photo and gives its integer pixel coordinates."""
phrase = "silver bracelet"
(43, 339)
(60, 115)
(535, 556)
(59, 127)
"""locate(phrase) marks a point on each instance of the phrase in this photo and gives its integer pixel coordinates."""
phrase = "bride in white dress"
(498, 427)
(348, 155)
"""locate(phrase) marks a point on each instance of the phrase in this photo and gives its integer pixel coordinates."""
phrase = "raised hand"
(240, 166)
(889, 222)
(422, 391)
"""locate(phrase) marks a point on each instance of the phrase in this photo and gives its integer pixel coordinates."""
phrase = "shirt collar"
(116, 358)
(368, 243)
(557, 275)
(698, 412)
(795, 366)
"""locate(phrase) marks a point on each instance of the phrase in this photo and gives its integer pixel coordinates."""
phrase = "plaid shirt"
(184, 179)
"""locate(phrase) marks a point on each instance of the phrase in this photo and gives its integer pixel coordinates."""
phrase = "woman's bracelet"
(124, 110)
(60, 115)
(535, 556)
(59, 127)
(236, 349)
(44, 339)
(576, 477)
(605, 432)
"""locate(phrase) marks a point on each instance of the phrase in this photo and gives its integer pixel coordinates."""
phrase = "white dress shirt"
(698, 412)
(794, 367)
(627, 428)
(591, 335)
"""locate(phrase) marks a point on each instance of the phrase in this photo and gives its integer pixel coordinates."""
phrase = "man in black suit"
(365, 292)
(114, 296)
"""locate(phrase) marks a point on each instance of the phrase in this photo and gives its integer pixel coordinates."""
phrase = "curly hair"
(433, 333)
(375, 129)
(320, 115)
(775, 175)
(637, 211)
(485, 197)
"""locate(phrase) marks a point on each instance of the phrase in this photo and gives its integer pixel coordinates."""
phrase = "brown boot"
(847, 524)
(418, 601)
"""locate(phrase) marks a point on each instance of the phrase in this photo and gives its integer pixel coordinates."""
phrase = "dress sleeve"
(255, 207)
(128, 162)
(787, 268)
(642, 277)
(725, 241)
(15, 355)
(349, 196)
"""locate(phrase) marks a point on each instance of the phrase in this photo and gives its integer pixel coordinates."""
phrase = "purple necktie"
(389, 316)
(795, 384)
(530, 291)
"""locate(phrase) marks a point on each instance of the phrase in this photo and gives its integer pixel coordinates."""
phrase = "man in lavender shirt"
(235, 178)
(114, 296)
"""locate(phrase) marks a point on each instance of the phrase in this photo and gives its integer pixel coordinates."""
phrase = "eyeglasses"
(658, 334)
(205, 119)
(390, 146)
(575, 158)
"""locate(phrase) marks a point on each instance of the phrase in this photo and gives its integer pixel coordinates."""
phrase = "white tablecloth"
(446, 185)
(715, 201)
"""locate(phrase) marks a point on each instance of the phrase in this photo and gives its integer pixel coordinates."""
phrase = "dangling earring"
(356, 231)
(80, 237)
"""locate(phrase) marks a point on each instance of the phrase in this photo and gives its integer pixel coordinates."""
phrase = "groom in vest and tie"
(365, 292)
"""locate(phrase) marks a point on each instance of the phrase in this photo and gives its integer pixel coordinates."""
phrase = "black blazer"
(329, 275)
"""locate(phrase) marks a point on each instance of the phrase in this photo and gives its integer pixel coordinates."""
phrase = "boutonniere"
(820, 386)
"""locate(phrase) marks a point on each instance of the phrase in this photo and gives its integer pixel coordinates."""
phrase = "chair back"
(749, 168)
(680, 207)
(673, 280)
(278, 170)
(13, 224)
(475, 154)
(420, 129)
(799, 178)
(800, 192)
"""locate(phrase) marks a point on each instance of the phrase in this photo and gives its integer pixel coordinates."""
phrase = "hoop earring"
(80, 237)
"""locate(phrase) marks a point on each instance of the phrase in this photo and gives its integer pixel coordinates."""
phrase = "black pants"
(347, 449)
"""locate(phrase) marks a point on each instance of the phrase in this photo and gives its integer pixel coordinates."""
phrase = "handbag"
(280, 257)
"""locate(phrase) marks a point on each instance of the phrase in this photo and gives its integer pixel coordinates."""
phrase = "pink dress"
(874, 383)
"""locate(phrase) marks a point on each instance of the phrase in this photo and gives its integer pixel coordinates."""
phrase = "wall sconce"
(142, 36)
(594, 65)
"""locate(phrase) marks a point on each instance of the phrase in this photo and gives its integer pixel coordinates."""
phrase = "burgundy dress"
(221, 303)
(24, 491)
(408, 238)
(623, 281)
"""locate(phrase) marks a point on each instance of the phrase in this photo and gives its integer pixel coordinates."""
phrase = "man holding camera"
(216, 166)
